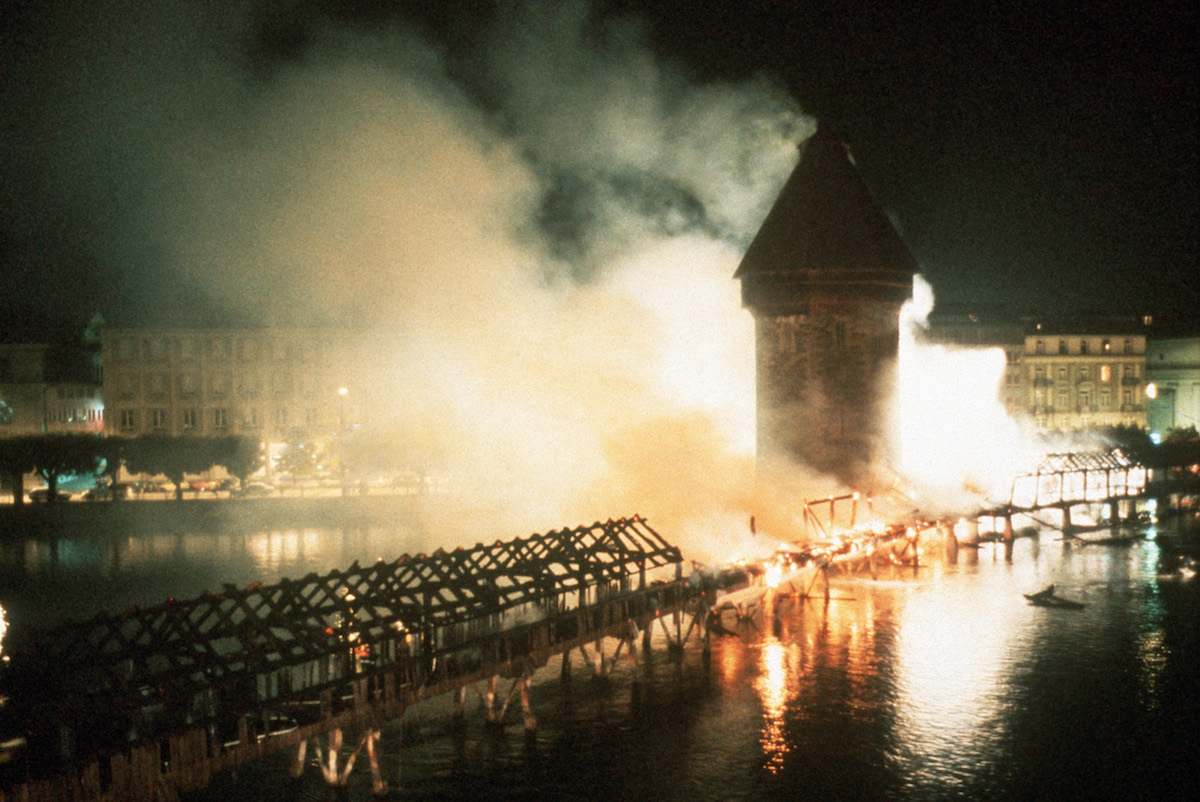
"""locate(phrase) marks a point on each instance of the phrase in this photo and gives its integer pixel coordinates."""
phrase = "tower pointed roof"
(825, 230)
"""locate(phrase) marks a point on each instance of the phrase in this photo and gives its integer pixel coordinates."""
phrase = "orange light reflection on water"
(775, 688)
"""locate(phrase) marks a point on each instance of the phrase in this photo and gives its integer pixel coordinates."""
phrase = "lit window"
(1105, 373)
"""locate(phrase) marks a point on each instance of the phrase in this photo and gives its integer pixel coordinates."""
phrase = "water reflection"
(775, 688)
(952, 658)
(946, 684)
(46, 580)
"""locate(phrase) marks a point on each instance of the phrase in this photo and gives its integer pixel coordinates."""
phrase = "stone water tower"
(825, 278)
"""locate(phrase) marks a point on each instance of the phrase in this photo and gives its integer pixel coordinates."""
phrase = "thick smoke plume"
(542, 233)
(955, 442)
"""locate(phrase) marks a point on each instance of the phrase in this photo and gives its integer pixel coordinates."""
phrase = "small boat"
(1046, 598)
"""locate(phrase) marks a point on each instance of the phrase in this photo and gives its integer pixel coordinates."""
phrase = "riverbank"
(70, 519)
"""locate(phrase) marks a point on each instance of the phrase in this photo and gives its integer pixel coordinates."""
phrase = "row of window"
(1084, 345)
(217, 419)
(190, 385)
(1084, 372)
(1062, 400)
(222, 349)
(75, 415)
(77, 392)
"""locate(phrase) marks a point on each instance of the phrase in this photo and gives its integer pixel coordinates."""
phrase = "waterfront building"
(280, 385)
(48, 388)
(825, 278)
(1085, 373)
(1068, 374)
(1173, 370)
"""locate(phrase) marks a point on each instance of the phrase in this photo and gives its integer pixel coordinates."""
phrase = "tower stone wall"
(825, 279)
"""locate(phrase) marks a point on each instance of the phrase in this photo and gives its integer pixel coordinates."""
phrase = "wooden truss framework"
(1086, 476)
(214, 640)
(1114, 459)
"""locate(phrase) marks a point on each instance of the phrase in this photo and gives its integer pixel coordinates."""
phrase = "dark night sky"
(1037, 154)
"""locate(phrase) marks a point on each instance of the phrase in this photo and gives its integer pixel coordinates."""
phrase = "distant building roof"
(1091, 324)
(826, 230)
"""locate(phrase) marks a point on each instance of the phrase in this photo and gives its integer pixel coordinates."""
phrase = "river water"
(942, 683)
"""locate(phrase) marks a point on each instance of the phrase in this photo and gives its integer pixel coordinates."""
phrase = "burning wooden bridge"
(1110, 481)
(152, 702)
(1109, 487)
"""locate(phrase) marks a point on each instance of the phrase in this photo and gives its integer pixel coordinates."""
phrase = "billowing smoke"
(543, 233)
(956, 443)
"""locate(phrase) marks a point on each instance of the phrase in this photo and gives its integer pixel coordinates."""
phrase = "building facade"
(1173, 371)
(277, 385)
(47, 388)
(1080, 377)
(1061, 376)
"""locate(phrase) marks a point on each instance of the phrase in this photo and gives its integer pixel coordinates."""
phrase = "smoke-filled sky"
(543, 201)
(204, 156)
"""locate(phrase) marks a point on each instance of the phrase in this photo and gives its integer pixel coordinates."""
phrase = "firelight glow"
(706, 357)
(955, 438)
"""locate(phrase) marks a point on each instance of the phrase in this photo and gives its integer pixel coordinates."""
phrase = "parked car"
(255, 490)
(152, 487)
